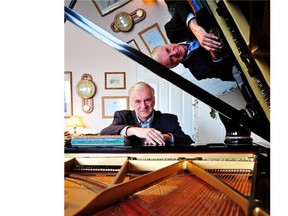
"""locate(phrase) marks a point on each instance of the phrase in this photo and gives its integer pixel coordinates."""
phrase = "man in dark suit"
(197, 44)
(198, 49)
(145, 126)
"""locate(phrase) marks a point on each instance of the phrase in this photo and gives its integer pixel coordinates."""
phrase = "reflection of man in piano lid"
(145, 126)
(200, 63)
(198, 50)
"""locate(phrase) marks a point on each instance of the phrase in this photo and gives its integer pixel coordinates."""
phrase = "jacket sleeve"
(118, 123)
(168, 123)
(121, 120)
(176, 29)
(180, 138)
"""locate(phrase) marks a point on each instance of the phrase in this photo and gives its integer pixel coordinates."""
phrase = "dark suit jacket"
(200, 62)
(164, 122)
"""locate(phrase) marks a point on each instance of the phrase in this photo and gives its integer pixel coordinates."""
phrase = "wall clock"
(86, 89)
(124, 21)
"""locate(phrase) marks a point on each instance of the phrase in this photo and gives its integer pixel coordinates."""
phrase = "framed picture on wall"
(133, 44)
(115, 80)
(68, 99)
(106, 6)
(110, 104)
(152, 37)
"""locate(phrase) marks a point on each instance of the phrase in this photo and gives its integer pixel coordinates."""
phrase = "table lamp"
(75, 121)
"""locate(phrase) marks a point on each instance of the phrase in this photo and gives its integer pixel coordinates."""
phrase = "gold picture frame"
(133, 44)
(115, 80)
(110, 104)
(104, 6)
(68, 99)
(152, 37)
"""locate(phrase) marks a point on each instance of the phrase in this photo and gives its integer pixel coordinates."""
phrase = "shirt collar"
(192, 46)
(149, 121)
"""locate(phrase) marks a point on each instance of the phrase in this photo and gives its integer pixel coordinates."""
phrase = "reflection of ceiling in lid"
(124, 21)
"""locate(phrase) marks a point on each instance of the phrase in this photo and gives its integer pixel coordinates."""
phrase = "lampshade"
(75, 121)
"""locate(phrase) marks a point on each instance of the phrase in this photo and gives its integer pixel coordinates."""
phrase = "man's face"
(171, 55)
(143, 102)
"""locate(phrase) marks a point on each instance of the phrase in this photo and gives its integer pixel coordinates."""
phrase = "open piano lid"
(259, 124)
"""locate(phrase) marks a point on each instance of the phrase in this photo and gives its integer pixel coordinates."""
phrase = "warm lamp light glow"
(149, 1)
(75, 121)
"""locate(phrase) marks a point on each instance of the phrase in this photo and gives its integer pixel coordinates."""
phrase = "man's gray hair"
(139, 86)
(156, 56)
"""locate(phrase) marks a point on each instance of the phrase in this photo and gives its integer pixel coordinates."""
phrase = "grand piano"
(212, 179)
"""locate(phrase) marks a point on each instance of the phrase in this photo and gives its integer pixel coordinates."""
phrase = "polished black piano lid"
(260, 125)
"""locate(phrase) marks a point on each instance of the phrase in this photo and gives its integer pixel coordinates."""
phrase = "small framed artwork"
(110, 104)
(133, 44)
(68, 99)
(152, 37)
(115, 80)
(106, 6)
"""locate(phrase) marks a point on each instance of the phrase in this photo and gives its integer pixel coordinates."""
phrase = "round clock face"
(85, 89)
(124, 21)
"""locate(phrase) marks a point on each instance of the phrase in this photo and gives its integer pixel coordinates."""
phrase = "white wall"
(85, 54)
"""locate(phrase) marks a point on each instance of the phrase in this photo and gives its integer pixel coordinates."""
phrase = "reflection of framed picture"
(68, 102)
(110, 104)
(152, 37)
(106, 6)
(133, 44)
(115, 80)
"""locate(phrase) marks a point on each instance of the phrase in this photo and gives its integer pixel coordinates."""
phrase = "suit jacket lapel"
(135, 123)
(156, 123)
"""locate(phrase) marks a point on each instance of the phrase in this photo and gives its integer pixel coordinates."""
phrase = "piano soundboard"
(161, 184)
